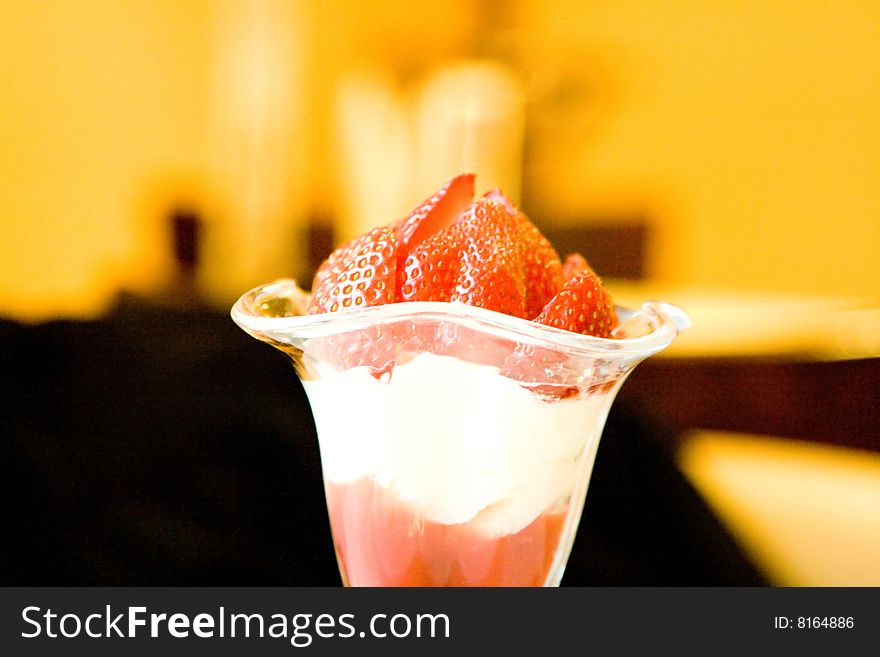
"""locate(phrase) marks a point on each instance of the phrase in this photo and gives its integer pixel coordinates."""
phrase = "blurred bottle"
(470, 116)
(375, 151)
(258, 141)
(398, 146)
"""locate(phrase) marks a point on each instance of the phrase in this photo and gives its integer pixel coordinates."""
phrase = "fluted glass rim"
(665, 320)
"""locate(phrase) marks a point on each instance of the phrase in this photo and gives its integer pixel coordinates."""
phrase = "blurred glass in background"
(743, 138)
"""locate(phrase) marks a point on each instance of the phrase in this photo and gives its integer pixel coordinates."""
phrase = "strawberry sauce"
(380, 542)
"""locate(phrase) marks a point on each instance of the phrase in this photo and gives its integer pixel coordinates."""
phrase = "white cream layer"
(455, 441)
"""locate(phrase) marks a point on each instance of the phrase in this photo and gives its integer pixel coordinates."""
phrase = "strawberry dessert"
(457, 436)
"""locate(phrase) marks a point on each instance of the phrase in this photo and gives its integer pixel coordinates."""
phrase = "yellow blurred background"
(746, 133)
(744, 136)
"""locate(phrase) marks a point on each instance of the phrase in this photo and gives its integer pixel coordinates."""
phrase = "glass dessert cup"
(456, 443)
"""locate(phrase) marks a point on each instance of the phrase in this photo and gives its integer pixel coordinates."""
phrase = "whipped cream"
(455, 441)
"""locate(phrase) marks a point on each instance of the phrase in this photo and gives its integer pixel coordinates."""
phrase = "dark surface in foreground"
(166, 447)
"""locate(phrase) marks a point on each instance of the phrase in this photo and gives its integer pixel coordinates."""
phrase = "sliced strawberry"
(332, 266)
(376, 347)
(476, 261)
(552, 375)
(491, 274)
(582, 306)
(430, 272)
(358, 274)
(434, 214)
(473, 263)
(542, 270)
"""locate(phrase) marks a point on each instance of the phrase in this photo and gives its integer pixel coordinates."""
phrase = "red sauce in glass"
(380, 542)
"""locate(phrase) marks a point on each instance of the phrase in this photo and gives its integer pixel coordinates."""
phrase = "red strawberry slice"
(491, 274)
(475, 261)
(376, 347)
(430, 272)
(358, 274)
(542, 270)
(582, 306)
(434, 214)
(543, 371)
